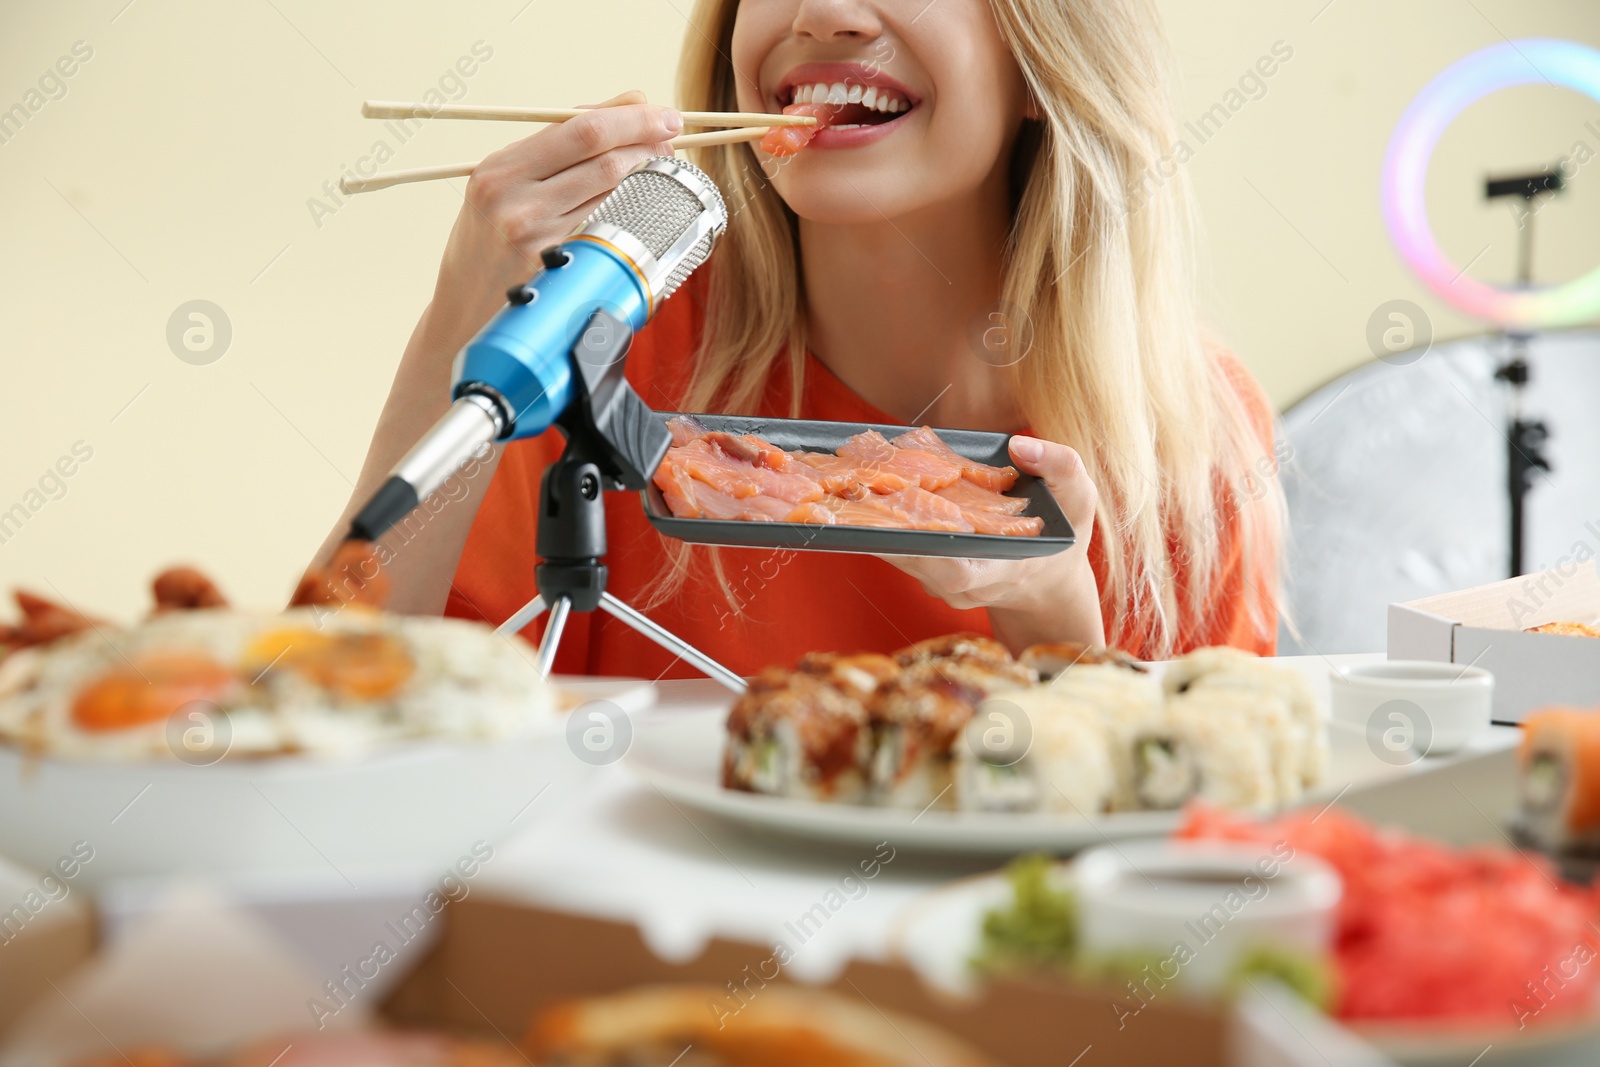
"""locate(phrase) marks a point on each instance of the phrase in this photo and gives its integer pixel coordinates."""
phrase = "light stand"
(614, 441)
(1525, 438)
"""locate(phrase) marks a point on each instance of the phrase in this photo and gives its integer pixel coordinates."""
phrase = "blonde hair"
(1119, 366)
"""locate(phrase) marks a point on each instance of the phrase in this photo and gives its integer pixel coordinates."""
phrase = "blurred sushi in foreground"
(708, 1026)
(1558, 781)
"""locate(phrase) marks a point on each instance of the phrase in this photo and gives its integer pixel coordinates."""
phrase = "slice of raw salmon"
(787, 140)
(715, 504)
(993, 522)
(684, 428)
(871, 511)
(872, 452)
(708, 463)
(971, 496)
(752, 449)
(677, 488)
(922, 510)
(923, 439)
(845, 478)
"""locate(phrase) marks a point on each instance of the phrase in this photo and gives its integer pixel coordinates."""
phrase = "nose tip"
(836, 20)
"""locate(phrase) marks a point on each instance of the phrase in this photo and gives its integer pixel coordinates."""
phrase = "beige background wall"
(180, 162)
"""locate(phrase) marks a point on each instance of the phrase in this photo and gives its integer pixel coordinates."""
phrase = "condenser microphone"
(522, 372)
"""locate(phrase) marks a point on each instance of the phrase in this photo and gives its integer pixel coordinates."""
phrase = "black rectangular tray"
(813, 436)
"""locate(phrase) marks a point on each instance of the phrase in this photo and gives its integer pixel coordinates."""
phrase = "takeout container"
(815, 436)
(1485, 627)
(498, 962)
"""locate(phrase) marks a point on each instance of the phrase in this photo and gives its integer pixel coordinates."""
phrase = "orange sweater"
(790, 602)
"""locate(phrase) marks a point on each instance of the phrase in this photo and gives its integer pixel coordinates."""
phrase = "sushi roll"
(1050, 660)
(1185, 671)
(798, 735)
(918, 719)
(859, 674)
(1117, 705)
(1236, 670)
(1212, 747)
(1558, 781)
(1064, 765)
(961, 647)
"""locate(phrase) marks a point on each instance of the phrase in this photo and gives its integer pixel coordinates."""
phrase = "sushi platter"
(682, 755)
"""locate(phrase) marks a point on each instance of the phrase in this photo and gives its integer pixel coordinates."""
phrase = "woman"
(995, 248)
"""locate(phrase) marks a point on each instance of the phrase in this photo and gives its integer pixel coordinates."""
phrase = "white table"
(627, 852)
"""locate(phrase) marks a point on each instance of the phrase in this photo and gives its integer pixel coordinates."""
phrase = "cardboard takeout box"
(1487, 627)
(498, 962)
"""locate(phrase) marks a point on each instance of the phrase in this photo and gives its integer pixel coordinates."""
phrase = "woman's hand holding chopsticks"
(534, 192)
(519, 200)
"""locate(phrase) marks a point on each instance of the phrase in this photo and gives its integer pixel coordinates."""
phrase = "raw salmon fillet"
(923, 439)
(787, 140)
(737, 477)
(971, 496)
(873, 452)
(915, 482)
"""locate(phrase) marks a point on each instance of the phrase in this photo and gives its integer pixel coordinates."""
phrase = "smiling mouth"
(853, 104)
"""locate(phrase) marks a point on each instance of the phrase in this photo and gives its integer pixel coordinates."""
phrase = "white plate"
(632, 695)
(415, 808)
(680, 753)
(1555, 1043)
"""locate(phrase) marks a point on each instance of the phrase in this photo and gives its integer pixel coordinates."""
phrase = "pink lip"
(855, 74)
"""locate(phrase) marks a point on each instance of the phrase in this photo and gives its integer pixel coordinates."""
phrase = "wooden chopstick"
(391, 109)
(461, 170)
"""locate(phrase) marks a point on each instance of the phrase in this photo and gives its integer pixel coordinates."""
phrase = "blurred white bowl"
(417, 808)
(412, 808)
(1203, 905)
(1413, 708)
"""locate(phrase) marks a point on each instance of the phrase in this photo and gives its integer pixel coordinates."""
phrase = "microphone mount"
(614, 441)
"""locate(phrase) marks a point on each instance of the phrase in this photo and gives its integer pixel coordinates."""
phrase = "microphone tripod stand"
(614, 441)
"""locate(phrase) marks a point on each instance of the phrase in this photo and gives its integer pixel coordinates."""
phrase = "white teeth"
(841, 93)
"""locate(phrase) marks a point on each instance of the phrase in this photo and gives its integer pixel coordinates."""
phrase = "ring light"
(1405, 170)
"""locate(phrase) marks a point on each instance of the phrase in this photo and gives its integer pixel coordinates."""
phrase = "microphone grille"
(661, 202)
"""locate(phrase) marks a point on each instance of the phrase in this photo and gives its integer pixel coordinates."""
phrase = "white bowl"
(416, 808)
(1200, 906)
(1413, 708)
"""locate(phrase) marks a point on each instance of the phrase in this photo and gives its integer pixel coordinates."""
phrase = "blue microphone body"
(517, 377)
(522, 354)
